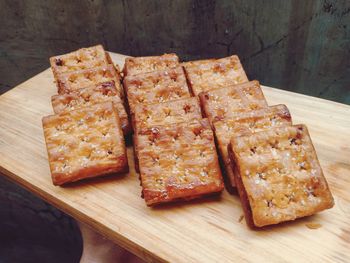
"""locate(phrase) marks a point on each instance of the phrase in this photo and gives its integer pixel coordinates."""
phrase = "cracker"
(86, 142)
(278, 175)
(71, 81)
(247, 123)
(85, 97)
(226, 103)
(210, 74)
(156, 87)
(137, 65)
(80, 59)
(175, 111)
(178, 161)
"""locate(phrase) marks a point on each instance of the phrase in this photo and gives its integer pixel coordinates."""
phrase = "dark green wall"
(303, 46)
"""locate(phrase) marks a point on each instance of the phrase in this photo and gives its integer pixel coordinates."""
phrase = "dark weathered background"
(303, 46)
(32, 231)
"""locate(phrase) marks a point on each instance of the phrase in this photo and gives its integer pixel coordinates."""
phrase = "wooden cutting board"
(205, 230)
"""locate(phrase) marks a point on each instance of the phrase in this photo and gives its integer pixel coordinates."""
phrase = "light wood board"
(206, 230)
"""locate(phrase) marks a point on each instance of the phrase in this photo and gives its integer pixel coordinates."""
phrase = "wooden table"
(205, 230)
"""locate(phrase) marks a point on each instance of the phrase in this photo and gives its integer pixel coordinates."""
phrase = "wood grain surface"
(205, 230)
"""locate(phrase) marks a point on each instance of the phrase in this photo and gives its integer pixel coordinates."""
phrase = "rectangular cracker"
(156, 87)
(226, 103)
(86, 142)
(247, 123)
(85, 97)
(178, 161)
(71, 81)
(137, 65)
(278, 175)
(80, 59)
(175, 111)
(210, 74)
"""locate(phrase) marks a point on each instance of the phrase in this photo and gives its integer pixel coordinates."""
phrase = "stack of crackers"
(174, 146)
(271, 162)
(180, 114)
(85, 137)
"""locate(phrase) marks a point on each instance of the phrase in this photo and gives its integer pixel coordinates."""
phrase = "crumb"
(313, 225)
(240, 218)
